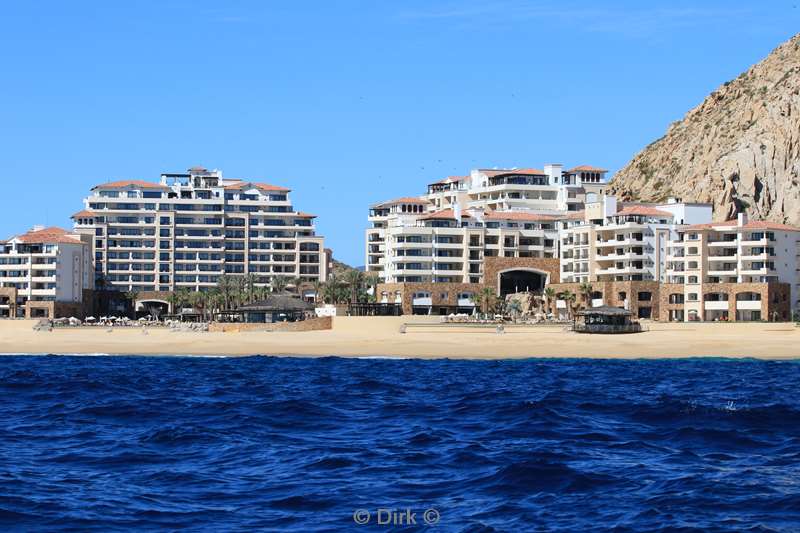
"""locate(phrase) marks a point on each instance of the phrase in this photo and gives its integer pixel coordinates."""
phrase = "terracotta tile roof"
(256, 185)
(518, 215)
(643, 210)
(764, 224)
(752, 224)
(586, 168)
(443, 214)
(403, 200)
(130, 183)
(83, 213)
(52, 235)
(573, 215)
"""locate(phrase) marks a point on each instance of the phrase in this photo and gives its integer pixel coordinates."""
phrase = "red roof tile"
(752, 224)
(403, 200)
(130, 183)
(643, 210)
(573, 215)
(517, 215)
(586, 168)
(256, 185)
(443, 214)
(52, 235)
(83, 213)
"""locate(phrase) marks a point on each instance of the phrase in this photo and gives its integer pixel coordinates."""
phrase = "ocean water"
(292, 444)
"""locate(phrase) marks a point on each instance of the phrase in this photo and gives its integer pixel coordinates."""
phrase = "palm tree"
(354, 279)
(198, 300)
(102, 292)
(173, 299)
(278, 283)
(585, 289)
(569, 297)
(318, 289)
(514, 307)
(296, 284)
(131, 296)
(184, 297)
(249, 282)
(213, 300)
(487, 298)
(225, 287)
(371, 280)
(550, 296)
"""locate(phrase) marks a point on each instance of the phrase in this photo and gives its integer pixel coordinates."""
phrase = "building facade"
(727, 269)
(444, 235)
(44, 273)
(666, 261)
(188, 229)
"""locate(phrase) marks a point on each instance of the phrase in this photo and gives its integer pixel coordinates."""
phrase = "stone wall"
(775, 298)
(613, 292)
(442, 294)
(446, 294)
(311, 324)
(492, 266)
(8, 296)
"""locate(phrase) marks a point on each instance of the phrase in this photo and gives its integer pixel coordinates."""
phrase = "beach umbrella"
(90, 319)
(103, 318)
(143, 319)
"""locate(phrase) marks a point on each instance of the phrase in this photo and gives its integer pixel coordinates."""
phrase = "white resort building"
(188, 229)
(44, 273)
(444, 235)
(522, 230)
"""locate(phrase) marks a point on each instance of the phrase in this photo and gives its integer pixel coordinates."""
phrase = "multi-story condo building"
(615, 242)
(44, 273)
(670, 262)
(191, 228)
(509, 212)
(493, 225)
(733, 270)
(519, 230)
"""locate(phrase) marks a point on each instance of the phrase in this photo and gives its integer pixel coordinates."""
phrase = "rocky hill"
(739, 149)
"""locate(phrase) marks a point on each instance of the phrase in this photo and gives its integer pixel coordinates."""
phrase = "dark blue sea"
(292, 444)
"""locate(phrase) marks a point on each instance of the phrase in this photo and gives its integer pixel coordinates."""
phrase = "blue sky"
(348, 102)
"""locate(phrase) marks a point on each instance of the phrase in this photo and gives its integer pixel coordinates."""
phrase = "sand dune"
(380, 336)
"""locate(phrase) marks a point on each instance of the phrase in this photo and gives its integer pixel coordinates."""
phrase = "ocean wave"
(298, 444)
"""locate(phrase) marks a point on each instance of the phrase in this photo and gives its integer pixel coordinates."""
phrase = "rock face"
(739, 149)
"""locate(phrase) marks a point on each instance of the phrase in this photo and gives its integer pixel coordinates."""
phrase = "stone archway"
(148, 306)
(513, 280)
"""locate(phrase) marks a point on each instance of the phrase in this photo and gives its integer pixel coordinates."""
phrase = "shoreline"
(380, 337)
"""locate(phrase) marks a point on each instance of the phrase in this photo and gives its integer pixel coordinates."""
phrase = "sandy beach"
(380, 336)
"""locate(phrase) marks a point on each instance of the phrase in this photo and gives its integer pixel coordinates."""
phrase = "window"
(644, 296)
(691, 297)
(692, 279)
(622, 296)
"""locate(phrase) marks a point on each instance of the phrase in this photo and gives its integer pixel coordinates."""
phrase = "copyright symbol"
(361, 516)
(431, 516)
